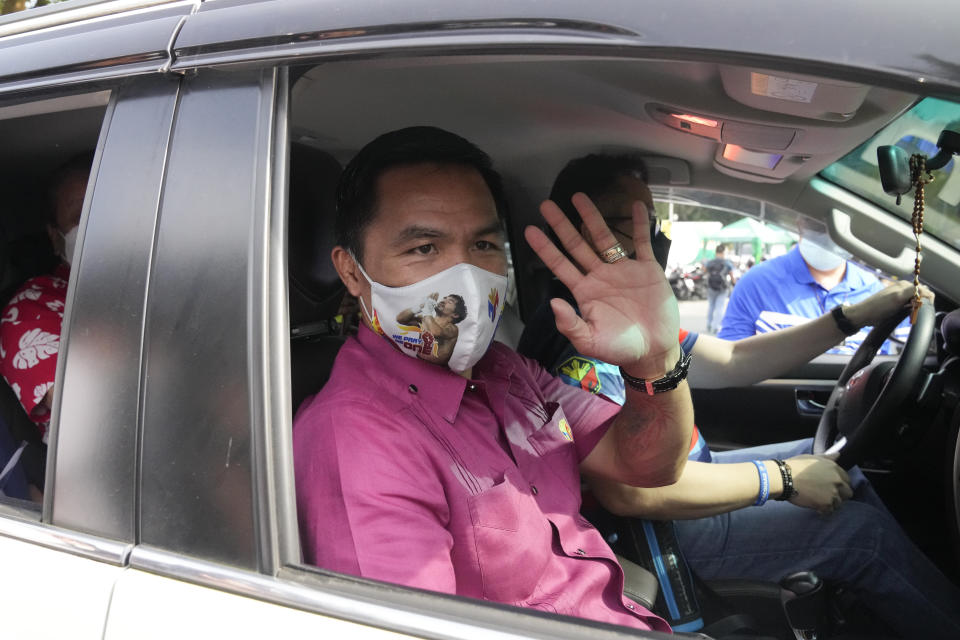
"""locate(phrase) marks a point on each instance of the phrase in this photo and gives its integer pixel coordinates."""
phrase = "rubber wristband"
(764, 483)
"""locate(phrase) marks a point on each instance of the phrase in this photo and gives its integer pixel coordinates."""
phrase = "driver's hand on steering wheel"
(884, 303)
(821, 484)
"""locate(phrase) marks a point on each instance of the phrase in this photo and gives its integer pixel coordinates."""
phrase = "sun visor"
(794, 94)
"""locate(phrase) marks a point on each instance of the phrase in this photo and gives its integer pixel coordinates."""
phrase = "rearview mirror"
(894, 163)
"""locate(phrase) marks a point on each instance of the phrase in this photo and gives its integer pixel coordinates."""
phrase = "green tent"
(760, 236)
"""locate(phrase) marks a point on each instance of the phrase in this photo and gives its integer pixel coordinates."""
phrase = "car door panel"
(148, 606)
(777, 410)
(39, 572)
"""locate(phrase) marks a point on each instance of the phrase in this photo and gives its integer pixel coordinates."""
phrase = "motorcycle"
(688, 282)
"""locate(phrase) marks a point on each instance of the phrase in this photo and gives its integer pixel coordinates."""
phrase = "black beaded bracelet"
(787, 475)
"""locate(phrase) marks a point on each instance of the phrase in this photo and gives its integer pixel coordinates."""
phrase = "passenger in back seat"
(465, 478)
(31, 321)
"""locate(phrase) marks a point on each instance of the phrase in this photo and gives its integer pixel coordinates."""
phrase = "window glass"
(916, 131)
(44, 168)
(752, 232)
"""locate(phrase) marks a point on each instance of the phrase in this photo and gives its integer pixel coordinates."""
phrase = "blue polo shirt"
(781, 293)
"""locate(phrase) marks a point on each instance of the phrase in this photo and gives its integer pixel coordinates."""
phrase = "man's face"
(617, 209)
(431, 217)
(446, 307)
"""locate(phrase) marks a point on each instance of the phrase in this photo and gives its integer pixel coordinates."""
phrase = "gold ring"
(613, 254)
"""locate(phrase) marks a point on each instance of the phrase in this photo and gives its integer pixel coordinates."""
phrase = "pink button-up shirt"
(409, 473)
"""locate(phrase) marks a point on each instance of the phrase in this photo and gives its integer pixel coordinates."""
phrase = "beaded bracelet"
(788, 489)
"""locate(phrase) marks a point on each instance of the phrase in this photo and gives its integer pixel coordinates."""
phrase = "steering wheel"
(866, 403)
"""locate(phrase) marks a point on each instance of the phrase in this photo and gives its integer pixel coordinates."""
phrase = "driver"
(726, 527)
(452, 477)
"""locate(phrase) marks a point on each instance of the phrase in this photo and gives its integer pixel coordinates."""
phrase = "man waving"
(451, 476)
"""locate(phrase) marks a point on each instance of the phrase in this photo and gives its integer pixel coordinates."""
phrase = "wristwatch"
(843, 322)
(671, 380)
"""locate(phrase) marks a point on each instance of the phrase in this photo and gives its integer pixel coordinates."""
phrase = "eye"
(423, 250)
(486, 245)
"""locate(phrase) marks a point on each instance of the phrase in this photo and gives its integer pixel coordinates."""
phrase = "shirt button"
(472, 387)
(534, 490)
(581, 552)
(412, 388)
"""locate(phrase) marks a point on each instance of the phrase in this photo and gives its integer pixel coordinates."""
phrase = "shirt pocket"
(510, 532)
(553, 442)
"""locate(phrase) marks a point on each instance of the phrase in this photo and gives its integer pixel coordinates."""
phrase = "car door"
(65, 88)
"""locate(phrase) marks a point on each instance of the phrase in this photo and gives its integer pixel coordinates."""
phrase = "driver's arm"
(707, 489)
(729, 363)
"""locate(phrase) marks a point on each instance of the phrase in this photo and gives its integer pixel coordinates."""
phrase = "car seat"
(315, 288)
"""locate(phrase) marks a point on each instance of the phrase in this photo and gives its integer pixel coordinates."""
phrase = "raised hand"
(628, 314)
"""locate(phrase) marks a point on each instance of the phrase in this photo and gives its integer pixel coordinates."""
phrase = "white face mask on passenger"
(449, 318)
(69, 244)
(820, 252)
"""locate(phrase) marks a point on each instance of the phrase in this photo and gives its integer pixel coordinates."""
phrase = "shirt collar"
(438, 388)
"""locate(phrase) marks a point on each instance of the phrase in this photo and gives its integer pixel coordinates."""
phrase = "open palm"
(629, 315)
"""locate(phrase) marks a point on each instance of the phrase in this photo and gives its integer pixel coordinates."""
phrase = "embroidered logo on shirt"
(493, 302)
(565, 430)
(581, 371)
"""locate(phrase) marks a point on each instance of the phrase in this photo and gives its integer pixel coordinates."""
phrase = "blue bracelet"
(764, 483)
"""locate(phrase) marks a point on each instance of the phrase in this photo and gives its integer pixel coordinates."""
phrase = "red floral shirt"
(30, 340)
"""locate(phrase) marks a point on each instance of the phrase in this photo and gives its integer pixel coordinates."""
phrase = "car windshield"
(916, 131)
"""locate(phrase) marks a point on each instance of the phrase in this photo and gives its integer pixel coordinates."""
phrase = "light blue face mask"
(449, 318)
(820, 252)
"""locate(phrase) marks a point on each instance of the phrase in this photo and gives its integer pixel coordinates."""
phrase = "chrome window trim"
(397, 609)
(73, 542)
(276, 508)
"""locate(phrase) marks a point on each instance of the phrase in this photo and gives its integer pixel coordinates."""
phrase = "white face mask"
(819, 251)
(69, 244)
(449, 318)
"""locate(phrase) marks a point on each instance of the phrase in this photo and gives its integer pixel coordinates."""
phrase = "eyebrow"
(419, 232)
(494, 227)
(416, 232)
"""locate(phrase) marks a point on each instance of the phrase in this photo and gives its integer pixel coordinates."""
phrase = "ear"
(349, 271)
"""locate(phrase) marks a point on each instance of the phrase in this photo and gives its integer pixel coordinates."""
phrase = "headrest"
(315, 288)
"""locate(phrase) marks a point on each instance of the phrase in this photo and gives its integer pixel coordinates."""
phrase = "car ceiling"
(533, 114)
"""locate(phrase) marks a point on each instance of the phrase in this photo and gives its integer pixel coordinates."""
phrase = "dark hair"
(78, 165)
(721, 248)
(596, 175)
(357, 189)
(460, 308)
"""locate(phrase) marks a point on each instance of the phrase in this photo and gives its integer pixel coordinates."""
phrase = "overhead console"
(755, 152)
(793, 94)
(767, 152)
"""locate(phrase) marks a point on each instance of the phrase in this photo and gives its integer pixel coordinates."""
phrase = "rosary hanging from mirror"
(920, 177)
